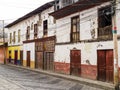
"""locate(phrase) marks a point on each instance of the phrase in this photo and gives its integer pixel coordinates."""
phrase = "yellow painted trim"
(25, 63)
(32, 64)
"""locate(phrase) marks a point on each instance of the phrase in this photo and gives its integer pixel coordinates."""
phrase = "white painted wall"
(29, 47)
(88, 51)
(27, 22)
(88, 21)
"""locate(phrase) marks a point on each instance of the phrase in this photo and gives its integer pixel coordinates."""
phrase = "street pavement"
(12, 78)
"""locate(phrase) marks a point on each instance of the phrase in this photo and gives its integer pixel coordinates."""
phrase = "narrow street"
(24, 79)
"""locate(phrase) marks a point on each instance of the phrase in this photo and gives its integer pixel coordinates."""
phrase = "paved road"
(30, 80)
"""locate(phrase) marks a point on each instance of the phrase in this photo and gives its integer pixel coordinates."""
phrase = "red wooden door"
(21, 57)
(28, 58)
(39, 60)
(101, 65)
(109, 66)
(105, 65)
(16, 57)
(75, 64)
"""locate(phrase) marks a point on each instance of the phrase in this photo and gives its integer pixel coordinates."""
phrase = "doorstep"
(94, 83)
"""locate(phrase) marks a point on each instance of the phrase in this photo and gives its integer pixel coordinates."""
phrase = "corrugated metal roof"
(36, 11)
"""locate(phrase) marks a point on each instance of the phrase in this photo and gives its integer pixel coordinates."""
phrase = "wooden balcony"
(105, 32)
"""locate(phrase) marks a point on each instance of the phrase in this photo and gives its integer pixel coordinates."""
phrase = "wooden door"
(9, 56)
(45, 61)
(51, 60)
(48, 60)
(105, 65)
(39, 60)
(75, 64)
(28, 58)
(109, 66)
(15, 57)
(21, 57)
(101, 65)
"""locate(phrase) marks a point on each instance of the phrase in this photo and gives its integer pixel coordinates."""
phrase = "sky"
(11, 10)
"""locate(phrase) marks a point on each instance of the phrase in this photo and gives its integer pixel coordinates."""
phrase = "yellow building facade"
(13, 54)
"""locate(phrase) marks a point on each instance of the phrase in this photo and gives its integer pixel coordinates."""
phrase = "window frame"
(75, 33)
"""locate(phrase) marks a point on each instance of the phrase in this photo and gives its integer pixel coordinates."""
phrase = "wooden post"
(115, 41)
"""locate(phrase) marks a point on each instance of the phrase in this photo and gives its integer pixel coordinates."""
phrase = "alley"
(30, 80)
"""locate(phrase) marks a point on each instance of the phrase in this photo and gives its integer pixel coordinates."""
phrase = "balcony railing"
(105, 32)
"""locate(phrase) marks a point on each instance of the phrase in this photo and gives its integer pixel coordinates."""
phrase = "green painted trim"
(114, 31)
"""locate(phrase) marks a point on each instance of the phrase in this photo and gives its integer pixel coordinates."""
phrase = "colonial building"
(32, 39)
(84, 44)
(66, 36)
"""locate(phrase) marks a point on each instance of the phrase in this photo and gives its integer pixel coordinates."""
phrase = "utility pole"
(115, 42)
(4, 49)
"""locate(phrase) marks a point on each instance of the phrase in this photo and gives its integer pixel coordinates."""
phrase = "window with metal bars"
(28, 33)
(45, 28)
(35, 31)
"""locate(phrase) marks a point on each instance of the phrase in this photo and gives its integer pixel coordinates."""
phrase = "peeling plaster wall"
(88, 22)
(88, 51)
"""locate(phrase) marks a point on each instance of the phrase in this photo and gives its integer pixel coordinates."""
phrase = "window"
(104, 22)
(18, 35)
(45, 27)
(32, 26)
(35, 31)
(28, 33)
(67, 2)
(14, 35)
(75, 29)
(10, 38)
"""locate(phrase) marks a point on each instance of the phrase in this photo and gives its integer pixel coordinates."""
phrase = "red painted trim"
(115, 28)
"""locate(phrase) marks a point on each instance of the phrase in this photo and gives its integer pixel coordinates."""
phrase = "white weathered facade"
(22, 26)
(89, 44)
(56, 50)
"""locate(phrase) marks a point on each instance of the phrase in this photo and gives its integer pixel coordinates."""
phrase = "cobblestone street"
(12, 78)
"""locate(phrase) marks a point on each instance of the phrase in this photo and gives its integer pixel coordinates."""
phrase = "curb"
(89, 82)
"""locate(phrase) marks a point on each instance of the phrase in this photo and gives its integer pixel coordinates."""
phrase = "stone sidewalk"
(6, 84)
